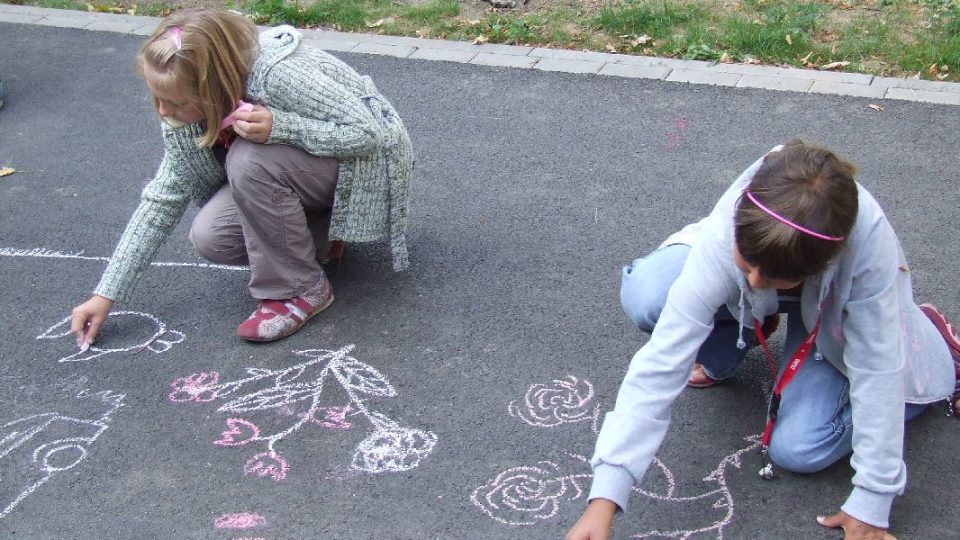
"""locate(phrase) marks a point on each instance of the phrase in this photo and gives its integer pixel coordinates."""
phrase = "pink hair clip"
(786, 221)
(242, 106)
(177, 34)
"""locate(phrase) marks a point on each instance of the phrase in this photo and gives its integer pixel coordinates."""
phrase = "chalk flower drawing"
(200, 387)
(564, 401)
(389, 447)
(523, 495)
(35, 448)
(157, 338)
(527, 494)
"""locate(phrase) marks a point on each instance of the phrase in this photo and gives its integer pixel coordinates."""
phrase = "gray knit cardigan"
(318, 104)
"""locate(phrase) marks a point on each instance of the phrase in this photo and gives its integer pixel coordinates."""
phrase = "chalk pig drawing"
(141, 331)
(35, 448)
(527, 494)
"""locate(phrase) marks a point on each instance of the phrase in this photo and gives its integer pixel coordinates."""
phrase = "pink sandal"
(276, 319)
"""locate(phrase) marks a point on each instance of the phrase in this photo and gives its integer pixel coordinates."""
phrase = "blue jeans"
(813, 428)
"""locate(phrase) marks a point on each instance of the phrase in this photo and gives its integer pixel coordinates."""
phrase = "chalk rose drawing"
(147, 332)
(563, 401)
(389, 447)
(35, 448)
(525, 495)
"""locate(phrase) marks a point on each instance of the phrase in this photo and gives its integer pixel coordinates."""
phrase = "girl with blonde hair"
(284, 148)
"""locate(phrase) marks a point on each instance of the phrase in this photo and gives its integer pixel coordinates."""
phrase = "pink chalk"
(244, 520)
(242, 106)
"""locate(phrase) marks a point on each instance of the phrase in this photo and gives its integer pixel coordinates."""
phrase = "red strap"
(796, 361)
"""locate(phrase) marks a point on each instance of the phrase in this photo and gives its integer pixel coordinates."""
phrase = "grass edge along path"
(898, 38)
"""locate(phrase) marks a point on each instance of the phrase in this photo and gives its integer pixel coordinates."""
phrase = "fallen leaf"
(6, 171)
(380, 22)
(611, 49)
(91, 8)
(875, 107)
(789, 39)
(725, 58)
(751, 60)
(641, 40)
(835, 65)
(473, 22)
(481, 40)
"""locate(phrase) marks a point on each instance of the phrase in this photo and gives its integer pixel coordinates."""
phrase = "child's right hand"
(88, 317)
(596, 521)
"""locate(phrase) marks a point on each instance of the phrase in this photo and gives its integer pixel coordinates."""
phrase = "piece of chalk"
(242, 106)
(84, 346)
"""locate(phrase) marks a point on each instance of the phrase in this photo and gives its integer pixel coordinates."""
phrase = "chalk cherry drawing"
(527, 494)
(153, 335)
(389, 447)
(35, 448)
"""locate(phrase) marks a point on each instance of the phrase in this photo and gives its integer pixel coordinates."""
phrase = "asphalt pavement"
(460, 399)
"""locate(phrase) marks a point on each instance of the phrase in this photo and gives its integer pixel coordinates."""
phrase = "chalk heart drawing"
(528, 494)
(388, 447)
(152, 334)
(35, 448)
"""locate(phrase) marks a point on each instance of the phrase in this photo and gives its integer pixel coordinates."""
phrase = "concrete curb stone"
(522, 57)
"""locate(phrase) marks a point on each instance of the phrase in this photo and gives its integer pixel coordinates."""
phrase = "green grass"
(885, 37)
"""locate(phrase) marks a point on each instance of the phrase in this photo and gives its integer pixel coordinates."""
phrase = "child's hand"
(854, 529)
(596, 521)
(88, 317)
(254, 125)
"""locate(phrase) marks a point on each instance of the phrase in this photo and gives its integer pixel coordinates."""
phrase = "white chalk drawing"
(37, 447)
(526, 495)
(43, 253)
(389, 447)
(154, 337)
(567, 400)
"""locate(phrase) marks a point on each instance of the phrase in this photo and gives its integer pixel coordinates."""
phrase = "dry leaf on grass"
(835, 65)
(875, 107)
(725, 58)
(380, 22)
(6, 171)
(481, 40)
(789, 39)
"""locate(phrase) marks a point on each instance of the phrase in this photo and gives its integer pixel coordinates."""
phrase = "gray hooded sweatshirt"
(871, 331)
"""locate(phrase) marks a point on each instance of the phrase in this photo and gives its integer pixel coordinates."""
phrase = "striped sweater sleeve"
(162, 203)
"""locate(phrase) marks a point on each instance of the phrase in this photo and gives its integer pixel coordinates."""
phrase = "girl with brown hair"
(795, 234)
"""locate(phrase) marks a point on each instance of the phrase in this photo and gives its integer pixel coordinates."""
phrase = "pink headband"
(177, 35)
(786, 221)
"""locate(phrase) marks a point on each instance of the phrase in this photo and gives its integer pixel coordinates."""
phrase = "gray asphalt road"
(532, 190)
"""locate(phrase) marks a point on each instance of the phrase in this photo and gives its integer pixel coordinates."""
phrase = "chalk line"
(44, 253)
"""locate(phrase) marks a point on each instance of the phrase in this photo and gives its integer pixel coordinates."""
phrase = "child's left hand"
(254, 125)
(853, 528)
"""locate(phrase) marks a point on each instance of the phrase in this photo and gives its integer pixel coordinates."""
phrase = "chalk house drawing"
(388, 447)
(153, 335)
(37, 447)
(528, 494)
